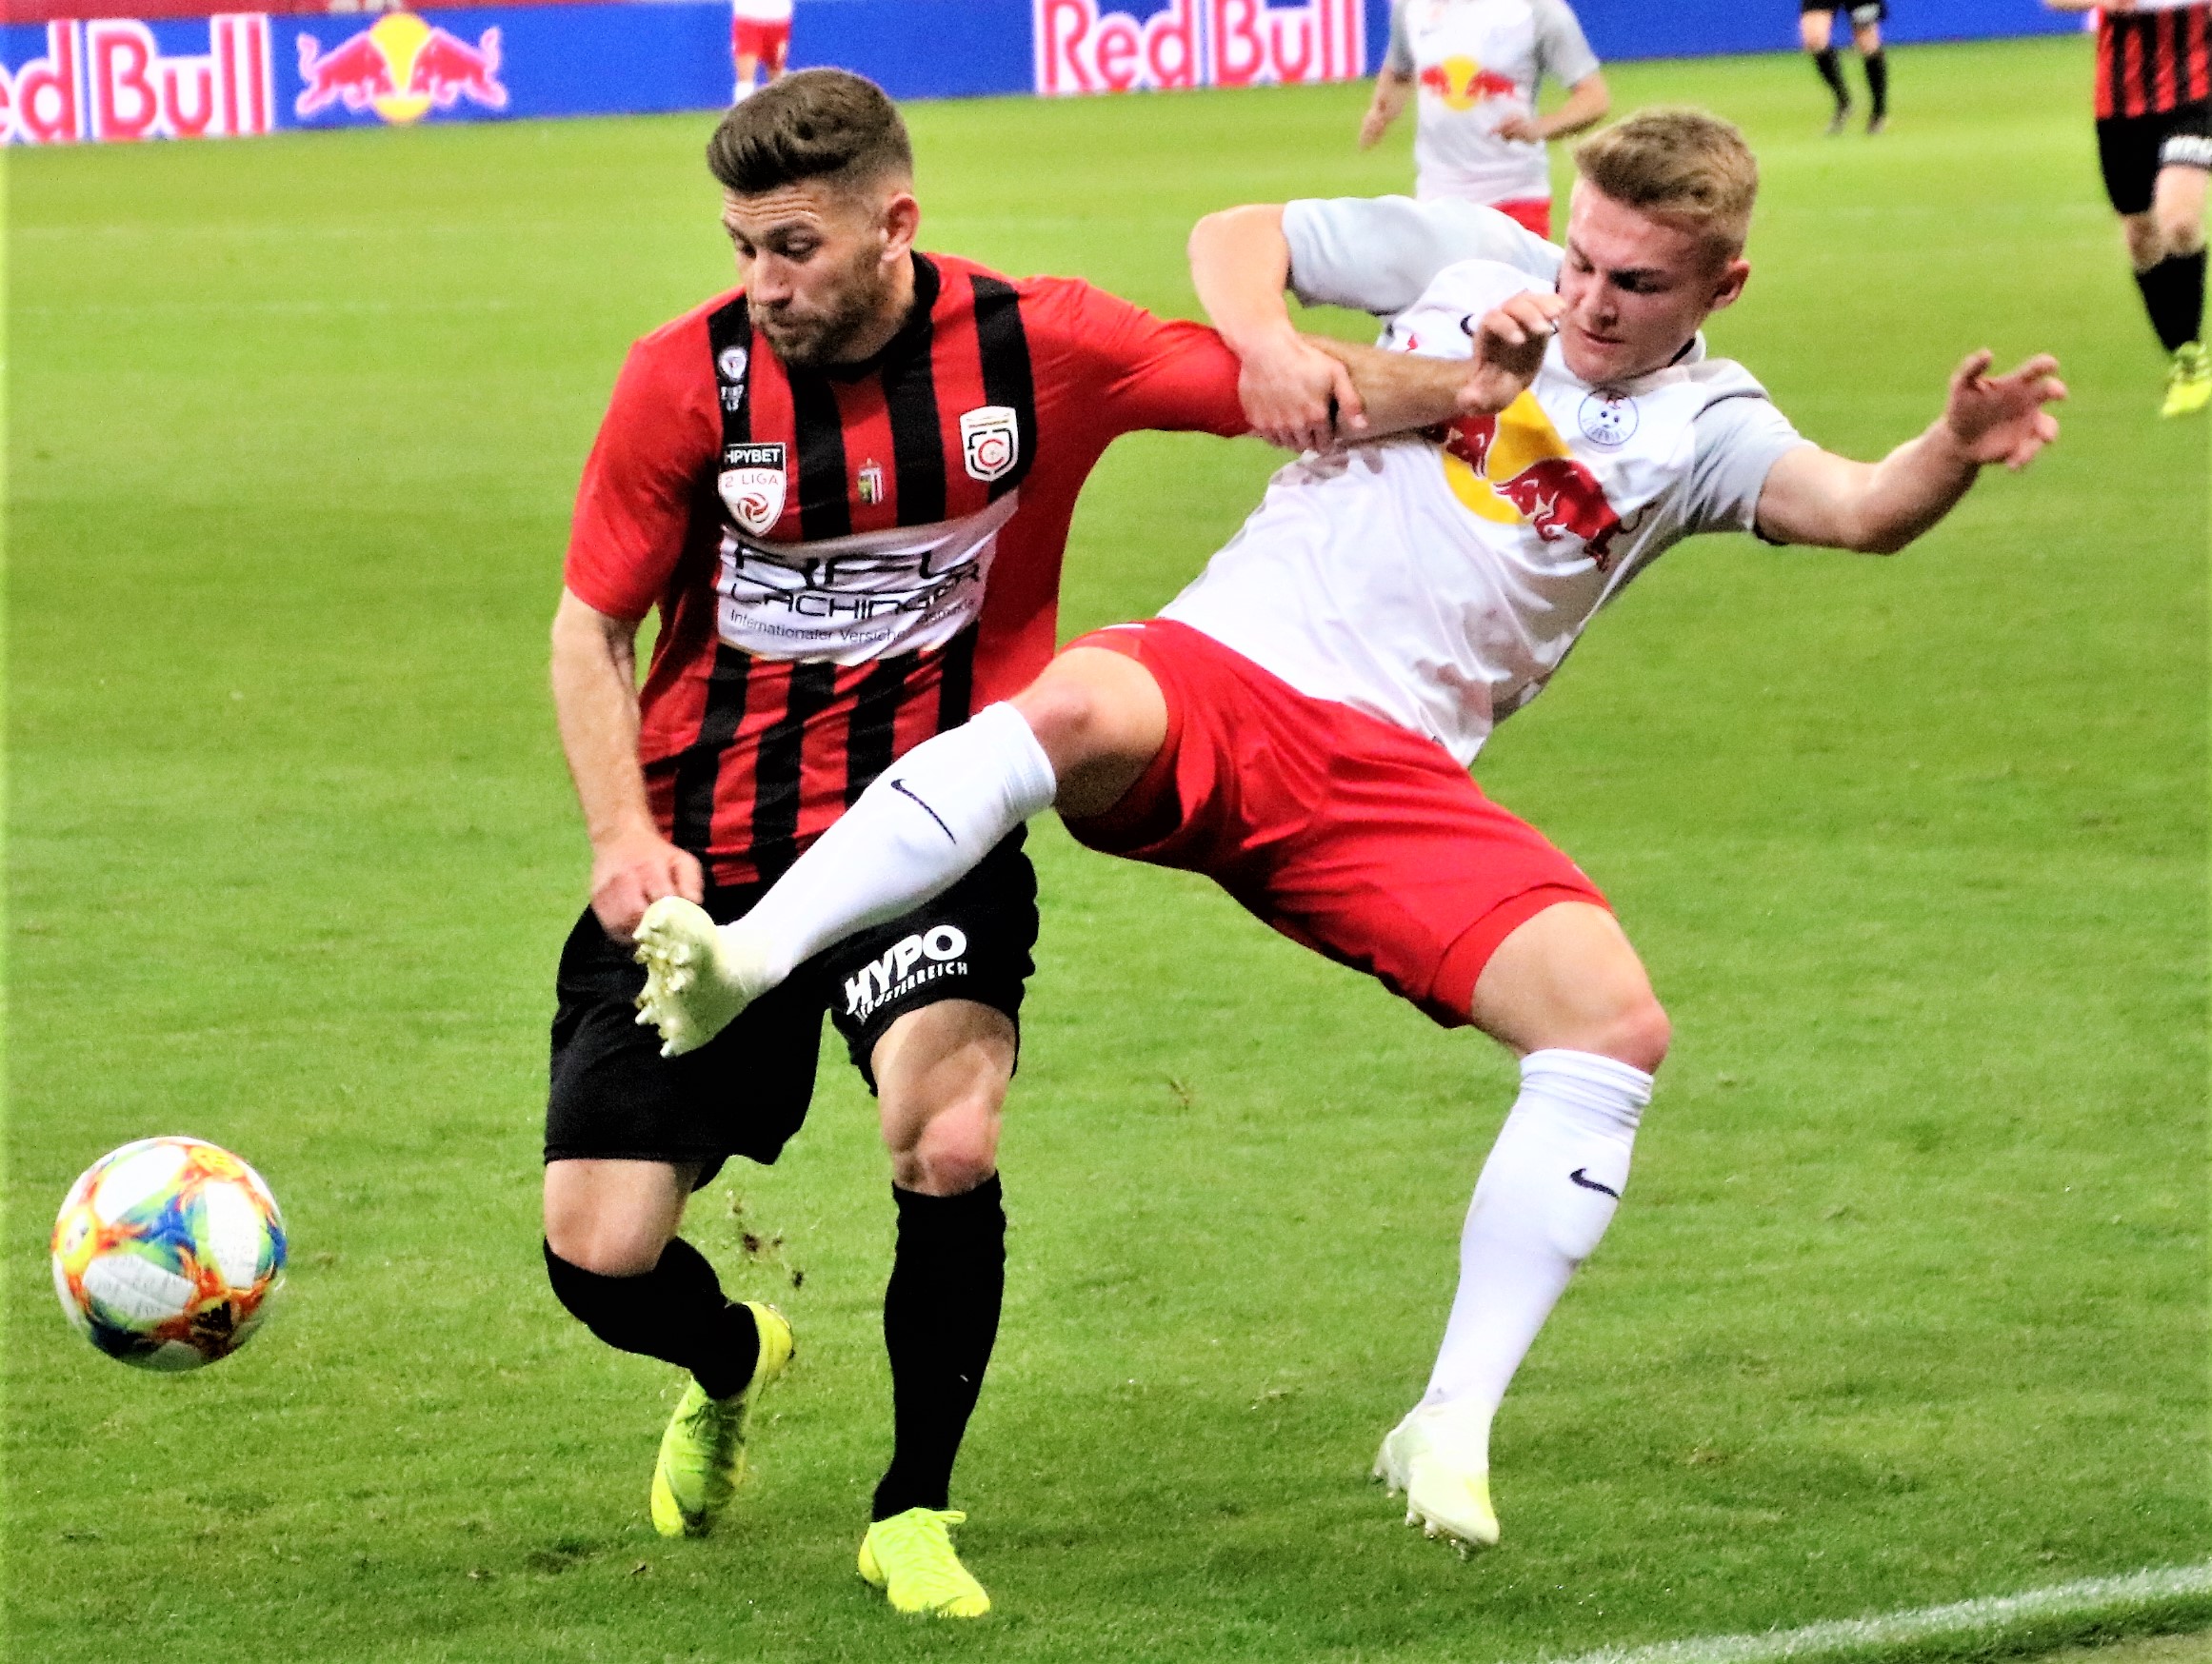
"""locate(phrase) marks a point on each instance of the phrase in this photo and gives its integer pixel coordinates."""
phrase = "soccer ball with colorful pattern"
(166, 1253)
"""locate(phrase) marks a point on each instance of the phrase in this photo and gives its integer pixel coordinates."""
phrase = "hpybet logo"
(1081, 47)
(401, 68)
(108, 81)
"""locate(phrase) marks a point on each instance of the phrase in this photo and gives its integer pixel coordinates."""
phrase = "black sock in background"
(1877, 66)
(2173, 294)
(1832, 72)
(675, 1312)
(941, 1318)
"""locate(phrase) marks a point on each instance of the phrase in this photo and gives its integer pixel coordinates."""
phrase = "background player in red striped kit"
(2153, 141)
(846, 488)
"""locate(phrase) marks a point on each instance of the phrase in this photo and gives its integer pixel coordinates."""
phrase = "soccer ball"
(166, 1252)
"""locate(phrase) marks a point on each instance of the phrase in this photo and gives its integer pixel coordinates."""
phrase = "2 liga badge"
(754, 481)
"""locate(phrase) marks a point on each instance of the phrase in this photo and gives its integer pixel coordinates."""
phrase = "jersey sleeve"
(1562, 51)
(1118, 368)
(657, 447)
(1398, 59)
(1377, 253)
(1739, 440)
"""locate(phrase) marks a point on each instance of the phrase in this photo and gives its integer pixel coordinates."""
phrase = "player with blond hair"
(1299, 723)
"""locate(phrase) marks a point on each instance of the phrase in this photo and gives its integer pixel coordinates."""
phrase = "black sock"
(2173, 294)
(1832, 72)
(674, 1312)
(1877, 65)
(941, 1317)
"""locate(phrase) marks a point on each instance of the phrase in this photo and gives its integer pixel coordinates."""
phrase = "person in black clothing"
(1817, 28)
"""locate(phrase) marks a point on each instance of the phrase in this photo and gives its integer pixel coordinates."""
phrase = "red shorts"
(1534, 212)
(767, 43)
(1354, 836)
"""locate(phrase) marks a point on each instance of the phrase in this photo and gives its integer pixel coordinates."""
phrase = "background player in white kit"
(760, 40)
(1298, 722)
(1475, 66)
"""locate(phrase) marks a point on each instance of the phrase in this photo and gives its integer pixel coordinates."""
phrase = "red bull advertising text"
(1081, 47)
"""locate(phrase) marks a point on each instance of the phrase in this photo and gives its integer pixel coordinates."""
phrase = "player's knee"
(952, 1152)
(1635, 1031)
(2145, 240)
(2180, 231)
(1064, 714)
(603, 1246)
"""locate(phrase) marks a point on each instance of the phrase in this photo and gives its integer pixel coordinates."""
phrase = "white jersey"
(1474, 63)
(1440, 586)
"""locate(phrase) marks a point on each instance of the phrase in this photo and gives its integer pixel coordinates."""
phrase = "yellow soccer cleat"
(703, 1452)
(909, 1557)
(698, 974)
(2189, 381)
(1441, 1461)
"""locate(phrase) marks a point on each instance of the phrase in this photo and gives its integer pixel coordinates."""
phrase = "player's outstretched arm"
(1294, 396)
(595, 701)
(1405, 391)
(1812, 496)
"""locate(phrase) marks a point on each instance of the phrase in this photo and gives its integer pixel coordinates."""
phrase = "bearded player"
(1298, 724)
(846, 489)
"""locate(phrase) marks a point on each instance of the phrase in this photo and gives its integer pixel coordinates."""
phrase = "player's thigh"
(929, 1007)
(1815, 28)
(2127, 158)
(1568, 978)
(615, 1101)
(615, 1216)
(941, 1074)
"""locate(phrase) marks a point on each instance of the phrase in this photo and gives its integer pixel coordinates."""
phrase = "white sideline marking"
(2092, 1597)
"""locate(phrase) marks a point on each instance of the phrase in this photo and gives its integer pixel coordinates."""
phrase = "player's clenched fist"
(1510, 341)
(2002, 419)
(631, 871)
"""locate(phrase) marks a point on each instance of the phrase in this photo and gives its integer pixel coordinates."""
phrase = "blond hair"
(1681, 166)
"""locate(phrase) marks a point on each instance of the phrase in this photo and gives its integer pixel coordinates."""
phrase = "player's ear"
(1728, 287)
(900, 219)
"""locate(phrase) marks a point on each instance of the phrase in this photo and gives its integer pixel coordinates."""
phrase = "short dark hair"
(818, 123)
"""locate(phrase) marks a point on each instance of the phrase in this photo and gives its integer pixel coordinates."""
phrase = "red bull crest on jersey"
(1514, 468)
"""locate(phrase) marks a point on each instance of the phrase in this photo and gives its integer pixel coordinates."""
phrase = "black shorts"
(744, 1092)
(1861, 15)
(2132, 150)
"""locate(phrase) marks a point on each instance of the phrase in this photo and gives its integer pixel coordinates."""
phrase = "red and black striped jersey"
(849, 561)
(2150, 61)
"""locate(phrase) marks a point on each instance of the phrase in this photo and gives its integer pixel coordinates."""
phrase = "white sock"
(923, 823)
(1544, 1198)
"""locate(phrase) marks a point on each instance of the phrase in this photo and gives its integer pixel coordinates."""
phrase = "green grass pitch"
(1908, 1300)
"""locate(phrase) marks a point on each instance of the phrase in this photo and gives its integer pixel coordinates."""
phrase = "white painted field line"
(2088, 1600)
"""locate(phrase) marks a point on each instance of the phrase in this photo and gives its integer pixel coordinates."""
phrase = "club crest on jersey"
(991, 441)
(1608, 419)
(729, 364)
(751, 485)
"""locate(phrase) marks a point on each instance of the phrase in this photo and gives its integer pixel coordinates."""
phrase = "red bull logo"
(110, 81)
(1462, 84)
(401, 69)
(1084, 47)
(1514, 469)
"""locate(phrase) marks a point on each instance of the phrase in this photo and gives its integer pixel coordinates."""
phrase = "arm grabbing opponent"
(1812, 496)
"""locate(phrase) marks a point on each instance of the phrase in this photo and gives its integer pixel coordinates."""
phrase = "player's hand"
(1373, 125)
(632, 870)
(1288, 389)
(2002, 418)
(1522, 126)
(1509, 348)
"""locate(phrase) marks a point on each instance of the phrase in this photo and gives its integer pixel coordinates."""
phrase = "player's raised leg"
(1080, 735)
(941, 1073)
(617, 1264)
(1565, 991)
